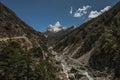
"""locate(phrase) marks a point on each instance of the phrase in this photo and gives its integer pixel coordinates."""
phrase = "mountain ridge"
(24, 53)
(97, 40)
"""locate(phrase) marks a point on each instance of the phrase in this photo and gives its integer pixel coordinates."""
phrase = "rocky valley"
(90, 51)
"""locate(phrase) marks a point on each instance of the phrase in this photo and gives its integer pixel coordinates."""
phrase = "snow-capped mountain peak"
(56, 27)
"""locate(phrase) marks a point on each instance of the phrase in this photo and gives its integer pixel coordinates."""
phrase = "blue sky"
(40, 13)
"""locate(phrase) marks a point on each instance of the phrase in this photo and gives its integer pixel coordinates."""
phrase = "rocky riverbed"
(70, 67)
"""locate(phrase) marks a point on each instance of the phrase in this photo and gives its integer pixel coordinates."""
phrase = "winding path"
(17, 37)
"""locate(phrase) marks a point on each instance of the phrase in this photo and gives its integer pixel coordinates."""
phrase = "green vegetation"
(12, 62)
(19, 64)
(16, 61)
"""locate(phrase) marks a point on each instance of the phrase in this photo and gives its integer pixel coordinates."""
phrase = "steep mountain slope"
(23, 51)
(12, 26)
(96, 43)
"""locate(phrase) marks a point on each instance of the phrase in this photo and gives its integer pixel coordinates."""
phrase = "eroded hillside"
(96, 43)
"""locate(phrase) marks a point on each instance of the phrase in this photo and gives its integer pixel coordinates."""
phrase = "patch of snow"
(56, 27)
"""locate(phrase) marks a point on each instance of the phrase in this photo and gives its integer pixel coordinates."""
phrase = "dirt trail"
(17, 37)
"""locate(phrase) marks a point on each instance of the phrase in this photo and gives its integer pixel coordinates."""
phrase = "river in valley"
(67, 68)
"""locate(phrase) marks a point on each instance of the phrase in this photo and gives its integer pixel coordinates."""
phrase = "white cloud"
(81, 11)
(71, 10)
(105, 9)
(94, 14)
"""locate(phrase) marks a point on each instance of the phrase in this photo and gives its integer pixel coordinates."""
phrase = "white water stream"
(66, 67)
(86, 74)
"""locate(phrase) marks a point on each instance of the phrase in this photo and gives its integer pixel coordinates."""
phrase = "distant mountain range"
(54, 32)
